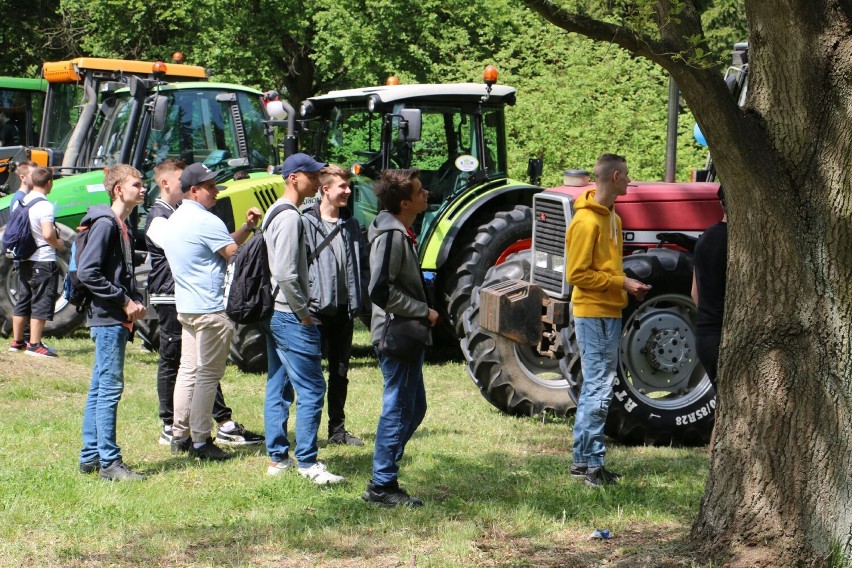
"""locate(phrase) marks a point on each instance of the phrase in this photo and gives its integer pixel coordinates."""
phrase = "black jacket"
(160, 281)
(105, 267)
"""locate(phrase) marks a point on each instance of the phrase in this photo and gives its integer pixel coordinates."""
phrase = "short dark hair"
(25, 166)
(41, 177)
(394, 186)
(168, 166)
(606, 164)
(721, 195)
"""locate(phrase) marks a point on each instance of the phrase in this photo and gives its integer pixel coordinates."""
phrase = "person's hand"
(134, 310)
(253, 215)
(636, 289)
(433, 317)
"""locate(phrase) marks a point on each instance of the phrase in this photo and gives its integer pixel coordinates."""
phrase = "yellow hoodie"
(594, 264)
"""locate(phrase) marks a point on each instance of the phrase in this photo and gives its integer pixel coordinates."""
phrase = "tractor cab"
(454, 134)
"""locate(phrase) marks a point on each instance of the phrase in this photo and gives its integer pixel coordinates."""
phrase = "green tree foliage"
(576, 99)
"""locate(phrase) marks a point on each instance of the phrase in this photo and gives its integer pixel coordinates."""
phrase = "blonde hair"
(116, 175)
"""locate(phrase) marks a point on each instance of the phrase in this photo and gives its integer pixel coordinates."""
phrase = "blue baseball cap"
(300, 163)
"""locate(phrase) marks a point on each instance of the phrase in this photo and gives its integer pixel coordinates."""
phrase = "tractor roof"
(71, 71)
(453, 92)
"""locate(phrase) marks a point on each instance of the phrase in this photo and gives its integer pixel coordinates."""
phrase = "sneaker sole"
(326, 482)
(163, 442)
(16, 350)
(45, 355)
(238, 443)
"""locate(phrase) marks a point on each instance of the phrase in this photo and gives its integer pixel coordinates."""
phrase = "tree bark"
(779, 490)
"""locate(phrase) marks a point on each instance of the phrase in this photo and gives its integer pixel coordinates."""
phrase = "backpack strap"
(275, 212)
(325, 242)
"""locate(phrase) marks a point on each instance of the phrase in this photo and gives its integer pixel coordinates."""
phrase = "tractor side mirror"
(409, 125)
(161, 110)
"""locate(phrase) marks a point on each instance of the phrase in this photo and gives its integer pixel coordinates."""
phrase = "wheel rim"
(658, 360)
(538, 369)
(523, 244)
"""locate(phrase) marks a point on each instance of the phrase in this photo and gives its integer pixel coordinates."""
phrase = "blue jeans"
(99, 416)
(403, 409)
(295, 362)
(598, 339)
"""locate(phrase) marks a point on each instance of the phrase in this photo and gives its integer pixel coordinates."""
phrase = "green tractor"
(21, 104)
(142, 115)
(455, 134)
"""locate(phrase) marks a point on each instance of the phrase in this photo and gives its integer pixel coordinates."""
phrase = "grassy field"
(497, 489)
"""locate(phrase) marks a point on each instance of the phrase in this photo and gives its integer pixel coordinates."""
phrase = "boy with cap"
(197, 246)
(293, 340)
(161, 293)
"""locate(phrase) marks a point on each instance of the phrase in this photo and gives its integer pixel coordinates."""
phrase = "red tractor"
(519, 335)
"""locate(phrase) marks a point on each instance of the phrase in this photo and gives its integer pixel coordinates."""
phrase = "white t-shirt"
(41, 211)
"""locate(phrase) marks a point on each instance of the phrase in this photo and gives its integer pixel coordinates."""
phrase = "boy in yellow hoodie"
(595, 270)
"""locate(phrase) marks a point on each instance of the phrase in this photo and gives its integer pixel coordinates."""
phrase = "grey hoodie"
(323, 270)
(288, 263)
(396, 285)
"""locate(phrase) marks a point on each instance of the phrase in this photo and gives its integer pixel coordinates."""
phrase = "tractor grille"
(551, 215)
(265, 195)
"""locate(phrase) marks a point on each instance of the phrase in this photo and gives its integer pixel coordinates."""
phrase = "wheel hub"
(658, 348)
(669, 350)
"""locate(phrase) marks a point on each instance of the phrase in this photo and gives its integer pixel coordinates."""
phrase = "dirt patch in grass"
(22, 366)
(658, 546)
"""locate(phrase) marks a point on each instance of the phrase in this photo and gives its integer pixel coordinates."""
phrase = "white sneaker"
(280, 467)
(320, 475)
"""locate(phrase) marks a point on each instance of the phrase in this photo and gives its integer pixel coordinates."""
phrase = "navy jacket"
(105, 266)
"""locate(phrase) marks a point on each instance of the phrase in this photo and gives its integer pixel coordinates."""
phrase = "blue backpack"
(18, 240)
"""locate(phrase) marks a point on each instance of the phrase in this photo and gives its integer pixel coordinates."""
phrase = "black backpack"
(251, 298)
(18, 240)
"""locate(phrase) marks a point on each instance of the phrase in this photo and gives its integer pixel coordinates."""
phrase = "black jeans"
(707, 348)
(336, 333)
(167, 367)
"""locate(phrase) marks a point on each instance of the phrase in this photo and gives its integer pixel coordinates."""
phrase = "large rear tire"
(516, 379)
(248, 348)
(66, 318)
(507, 233)
(663, 395)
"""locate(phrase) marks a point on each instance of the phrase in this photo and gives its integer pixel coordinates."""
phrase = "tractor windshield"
(63, 109)
(222, 130)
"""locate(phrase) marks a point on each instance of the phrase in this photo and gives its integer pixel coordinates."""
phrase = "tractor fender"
(437, 245)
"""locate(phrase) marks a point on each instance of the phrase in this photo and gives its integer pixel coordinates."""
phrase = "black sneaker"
(180, 445)
(598, 476)
(209, 451)
(117, 471)
(389, 497)
(18, 346)
(239, 436)
(90, 466)
(166, 436)
(345, 438)
(579, 471)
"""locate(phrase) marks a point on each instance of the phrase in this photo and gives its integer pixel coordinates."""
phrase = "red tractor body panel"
(650, 208)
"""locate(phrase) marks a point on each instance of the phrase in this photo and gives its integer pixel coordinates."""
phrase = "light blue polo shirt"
(192, 242)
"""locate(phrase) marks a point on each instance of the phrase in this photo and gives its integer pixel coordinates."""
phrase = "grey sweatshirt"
(288, 263)
(395, 283)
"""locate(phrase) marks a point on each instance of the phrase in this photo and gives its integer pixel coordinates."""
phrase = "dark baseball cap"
(196, 174)
(300, 163)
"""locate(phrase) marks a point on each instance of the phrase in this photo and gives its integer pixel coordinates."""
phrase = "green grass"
(496, 488)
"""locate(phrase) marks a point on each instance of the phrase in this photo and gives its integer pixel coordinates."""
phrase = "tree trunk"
(780, 471)
(779, 490)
